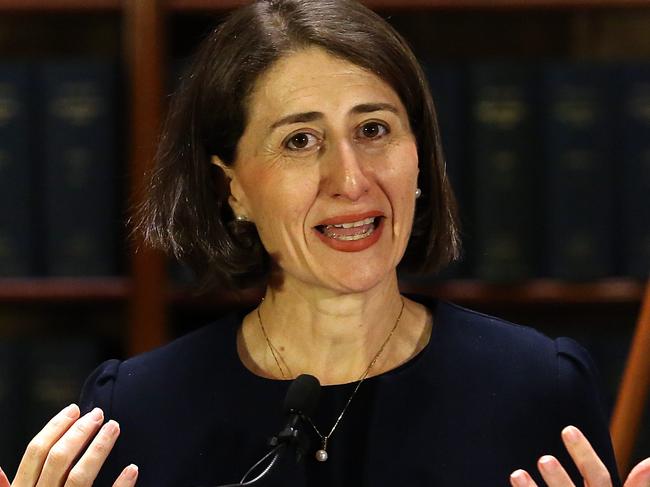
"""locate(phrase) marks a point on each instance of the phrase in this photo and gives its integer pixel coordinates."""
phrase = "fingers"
(128, 477)
(63, 452)
(86, 469)
(639, 476)
(553, 473)
(591, 467)
(38, 449)
(521, 478)
(4, 481)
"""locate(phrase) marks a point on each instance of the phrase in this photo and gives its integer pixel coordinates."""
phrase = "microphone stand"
(301, 398)
(276, 452)
(290, 437)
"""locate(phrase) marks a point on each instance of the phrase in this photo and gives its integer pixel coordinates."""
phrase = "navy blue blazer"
(483, 398)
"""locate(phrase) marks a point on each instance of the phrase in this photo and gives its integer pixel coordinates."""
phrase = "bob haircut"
(186, 210)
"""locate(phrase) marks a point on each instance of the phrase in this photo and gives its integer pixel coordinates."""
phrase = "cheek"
(401, 173)
(279, 199)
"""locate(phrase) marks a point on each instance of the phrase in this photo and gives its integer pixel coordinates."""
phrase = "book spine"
(579, 196)
(635, 163)
(503, 164)
(11, 402)
(56, 374)
(17, 226)
(447, 83)
(79, 188)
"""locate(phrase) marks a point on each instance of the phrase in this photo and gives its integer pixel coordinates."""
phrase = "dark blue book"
(634, 160)
(11, 402)
(580, 174)
(17, 213)
(55, 370)
(504, 161)
(80, 194)
(449, 95)
(448, 89)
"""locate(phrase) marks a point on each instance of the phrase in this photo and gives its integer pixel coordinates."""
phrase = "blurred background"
(544, 109)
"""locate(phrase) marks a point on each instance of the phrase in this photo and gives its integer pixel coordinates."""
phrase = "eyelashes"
(301, 141)
(304, 141)
(373, 130)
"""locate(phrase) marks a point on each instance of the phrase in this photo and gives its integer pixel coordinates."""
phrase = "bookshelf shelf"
(541, 291)
(64, 289)
(471, 292)
(219, 5)
(42, 6)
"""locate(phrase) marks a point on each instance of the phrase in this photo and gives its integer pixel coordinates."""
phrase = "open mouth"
(351, 231)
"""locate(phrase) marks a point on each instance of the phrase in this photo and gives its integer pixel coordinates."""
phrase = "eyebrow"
(374, 107)
(311, 116)
(297, 118)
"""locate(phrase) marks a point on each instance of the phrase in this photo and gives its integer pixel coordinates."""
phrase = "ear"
(237, 199)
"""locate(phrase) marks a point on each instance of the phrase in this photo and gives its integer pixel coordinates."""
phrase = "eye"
(373, 130)
(301, 141)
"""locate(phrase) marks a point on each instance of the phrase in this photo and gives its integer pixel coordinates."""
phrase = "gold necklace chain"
(321, 455)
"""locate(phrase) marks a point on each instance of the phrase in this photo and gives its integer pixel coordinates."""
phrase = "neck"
(330, 335)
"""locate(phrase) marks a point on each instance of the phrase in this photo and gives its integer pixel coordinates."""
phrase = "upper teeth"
(360, 223)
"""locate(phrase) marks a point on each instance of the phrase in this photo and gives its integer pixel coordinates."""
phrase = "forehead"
(311, 78)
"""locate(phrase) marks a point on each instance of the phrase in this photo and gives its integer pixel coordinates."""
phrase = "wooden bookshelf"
(144, 52)
(468, 292)
(64, 289)
(541, 291)
(54, 6)
(219, 5)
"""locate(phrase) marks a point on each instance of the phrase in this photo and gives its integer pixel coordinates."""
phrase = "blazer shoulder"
(173, 365)
(208, 342)
(475, 328)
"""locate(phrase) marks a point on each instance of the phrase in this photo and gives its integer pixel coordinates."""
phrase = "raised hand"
(591, 468)
(49, 460)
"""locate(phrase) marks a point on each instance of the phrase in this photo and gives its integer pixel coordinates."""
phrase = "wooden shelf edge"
(187, 297)
(64, 289)
(541, 291)
(45, 6)
(222, 5)
(607, 291)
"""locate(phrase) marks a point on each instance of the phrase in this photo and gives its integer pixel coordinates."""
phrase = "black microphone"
(301, 401)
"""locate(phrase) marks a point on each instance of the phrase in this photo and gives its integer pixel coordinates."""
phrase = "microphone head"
(302, 396)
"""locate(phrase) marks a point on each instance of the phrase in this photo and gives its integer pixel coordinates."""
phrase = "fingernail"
(546, 461)
(96, 414)
(111, 428)
(571, 434)
(131, 472)
(71, 411)
(518, 478)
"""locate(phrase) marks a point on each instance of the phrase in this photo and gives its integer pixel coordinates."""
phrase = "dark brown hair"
(186, 211)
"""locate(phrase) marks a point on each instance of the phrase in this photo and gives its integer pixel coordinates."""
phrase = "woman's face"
(327, 170)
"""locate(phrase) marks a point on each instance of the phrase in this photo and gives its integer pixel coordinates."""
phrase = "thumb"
(639, 476)
(4, 481)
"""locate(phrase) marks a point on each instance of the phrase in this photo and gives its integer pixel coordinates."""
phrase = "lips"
(351, 233)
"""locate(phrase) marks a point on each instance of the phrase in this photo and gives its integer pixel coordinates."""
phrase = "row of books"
(551, 166)
(59, 169)
(38, 378)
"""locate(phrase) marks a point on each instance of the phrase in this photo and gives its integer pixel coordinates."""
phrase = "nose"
(345, 174)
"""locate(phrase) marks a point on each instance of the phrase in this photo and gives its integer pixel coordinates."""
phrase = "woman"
(302, 152)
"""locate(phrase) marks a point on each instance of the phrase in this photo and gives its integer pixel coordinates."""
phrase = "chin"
(361, 281)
